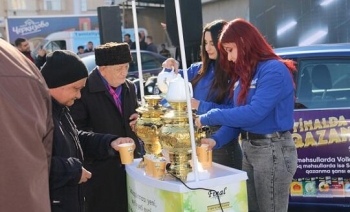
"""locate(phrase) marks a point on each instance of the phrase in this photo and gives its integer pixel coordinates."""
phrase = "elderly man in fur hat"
(108, 105)
(65, 75)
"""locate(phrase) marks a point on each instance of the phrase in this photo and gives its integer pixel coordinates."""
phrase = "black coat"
(66, 194)
(96, 111)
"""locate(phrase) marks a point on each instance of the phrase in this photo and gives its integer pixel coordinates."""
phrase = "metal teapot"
(176, 90)
(163, 79)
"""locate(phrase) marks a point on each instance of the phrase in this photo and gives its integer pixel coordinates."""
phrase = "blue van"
(321, 126)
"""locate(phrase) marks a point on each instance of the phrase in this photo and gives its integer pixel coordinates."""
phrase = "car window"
(56, 45)
(89, 62)
(133, 64)
(324, 83)
(149, 61)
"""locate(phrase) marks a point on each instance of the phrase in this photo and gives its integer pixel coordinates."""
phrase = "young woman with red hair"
(263, 92)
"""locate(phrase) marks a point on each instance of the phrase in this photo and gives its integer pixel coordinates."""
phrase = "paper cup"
(148, 165)
(158, 167)
(205, 156)
(126, 152)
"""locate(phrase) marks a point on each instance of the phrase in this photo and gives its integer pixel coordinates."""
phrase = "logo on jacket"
(253, 83)
(236, 84)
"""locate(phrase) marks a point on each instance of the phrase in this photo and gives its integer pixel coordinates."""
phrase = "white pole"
(137, 42)
(188, 97)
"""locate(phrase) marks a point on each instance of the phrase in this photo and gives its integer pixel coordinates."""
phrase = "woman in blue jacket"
(263, 92)
(211, 84)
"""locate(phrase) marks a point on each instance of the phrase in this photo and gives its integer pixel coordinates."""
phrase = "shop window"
(52, 4)
(18, 4)
(83, 5)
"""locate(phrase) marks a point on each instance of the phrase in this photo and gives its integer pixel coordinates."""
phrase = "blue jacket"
(269, 105)
(201, 91)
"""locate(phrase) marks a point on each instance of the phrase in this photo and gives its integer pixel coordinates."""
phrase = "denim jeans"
(229, 155)
(270, 165)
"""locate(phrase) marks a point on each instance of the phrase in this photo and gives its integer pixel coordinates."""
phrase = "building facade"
(150, 15)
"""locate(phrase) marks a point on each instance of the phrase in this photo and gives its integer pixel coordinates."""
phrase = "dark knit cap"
(63, 67)
(112, 54)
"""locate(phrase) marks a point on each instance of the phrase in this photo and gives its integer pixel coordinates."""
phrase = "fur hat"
(63, 67)
(112, 54)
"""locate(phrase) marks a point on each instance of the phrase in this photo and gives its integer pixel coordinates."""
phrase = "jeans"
(229, 155)
(270, 165)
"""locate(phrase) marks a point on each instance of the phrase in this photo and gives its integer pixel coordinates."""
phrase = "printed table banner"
(147, 194)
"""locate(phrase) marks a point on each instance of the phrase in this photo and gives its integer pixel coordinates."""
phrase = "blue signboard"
(36, 28)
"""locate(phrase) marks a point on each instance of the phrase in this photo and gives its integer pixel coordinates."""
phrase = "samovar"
(148, 125)
(175, 138)
(174, 135)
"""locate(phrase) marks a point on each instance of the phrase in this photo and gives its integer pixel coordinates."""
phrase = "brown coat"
(25, 134)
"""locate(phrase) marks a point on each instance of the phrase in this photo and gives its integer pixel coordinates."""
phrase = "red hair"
(252, 48)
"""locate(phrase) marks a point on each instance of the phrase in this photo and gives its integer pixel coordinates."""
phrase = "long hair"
(219, 86)
(251, 49)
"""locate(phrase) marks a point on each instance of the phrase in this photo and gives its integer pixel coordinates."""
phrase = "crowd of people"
(61, 127)
(146, 43)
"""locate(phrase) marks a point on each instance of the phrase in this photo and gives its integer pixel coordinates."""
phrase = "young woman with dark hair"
(211, 84)
(263, 93)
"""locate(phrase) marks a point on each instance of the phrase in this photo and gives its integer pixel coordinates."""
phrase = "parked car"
(150, 61)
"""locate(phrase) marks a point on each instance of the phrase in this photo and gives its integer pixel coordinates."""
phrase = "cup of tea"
(126, 152)
(205, 155)
(158, 168)
(148, 165)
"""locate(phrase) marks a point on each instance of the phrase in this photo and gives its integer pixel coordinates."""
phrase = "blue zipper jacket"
(201, 91)
(269, 104)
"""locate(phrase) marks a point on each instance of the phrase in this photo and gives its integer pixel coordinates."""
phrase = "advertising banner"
(223, 188)
(36, 28)
(145, 198)
(322, 140)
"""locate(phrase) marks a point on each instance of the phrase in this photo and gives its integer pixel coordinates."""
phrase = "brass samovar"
(175, 138)
(175, 134)
(148, 125)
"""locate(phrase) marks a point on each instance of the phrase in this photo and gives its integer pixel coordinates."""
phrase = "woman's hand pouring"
(171, 63)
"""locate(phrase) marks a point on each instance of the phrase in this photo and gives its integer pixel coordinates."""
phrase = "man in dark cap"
(65, 75)
(108, 105)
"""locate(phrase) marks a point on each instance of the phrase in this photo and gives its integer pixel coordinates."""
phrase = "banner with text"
(322, 138)
(36, 28)
(141, 197)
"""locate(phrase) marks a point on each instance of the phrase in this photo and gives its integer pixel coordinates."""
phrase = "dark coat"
(143, 45)
(97, 112)
(66, 194)
(38, 61)
(152, 48)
